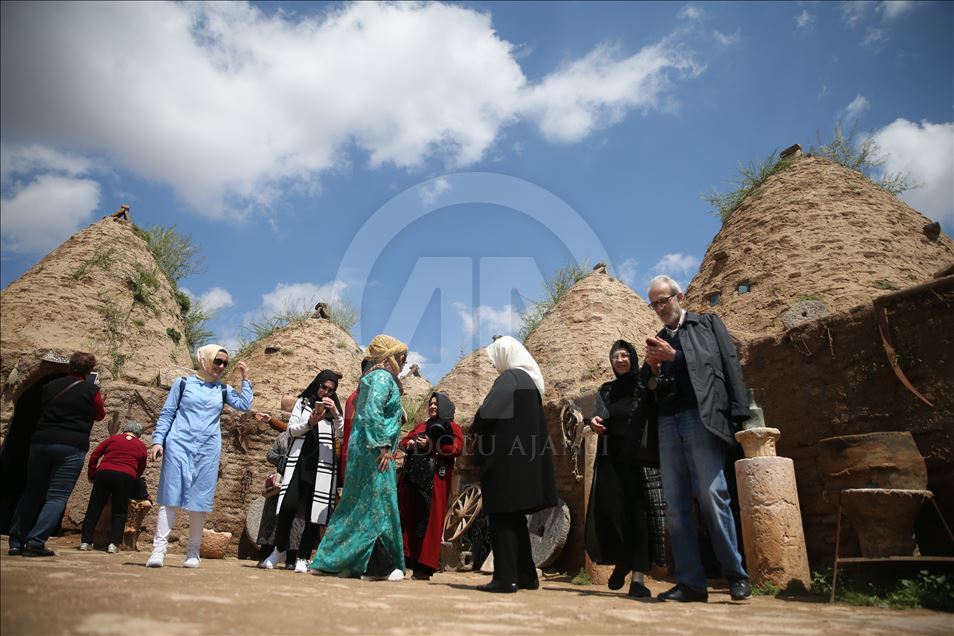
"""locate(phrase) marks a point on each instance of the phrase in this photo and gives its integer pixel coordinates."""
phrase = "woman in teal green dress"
(364, 534)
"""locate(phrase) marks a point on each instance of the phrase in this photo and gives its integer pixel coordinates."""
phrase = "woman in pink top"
(114, 468)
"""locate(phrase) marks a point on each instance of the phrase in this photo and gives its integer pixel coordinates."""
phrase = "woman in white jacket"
(310, 478)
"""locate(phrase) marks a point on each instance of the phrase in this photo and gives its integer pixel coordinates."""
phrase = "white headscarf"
(507, 353)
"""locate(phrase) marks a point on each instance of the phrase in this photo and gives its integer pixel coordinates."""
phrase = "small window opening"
(744, 287)
(714, 299)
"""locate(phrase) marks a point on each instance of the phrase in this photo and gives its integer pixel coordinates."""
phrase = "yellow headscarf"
(385, 348)
(205, 355)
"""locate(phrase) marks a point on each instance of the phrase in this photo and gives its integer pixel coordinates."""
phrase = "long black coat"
(715, 373)
(617, 529)
(513, 448)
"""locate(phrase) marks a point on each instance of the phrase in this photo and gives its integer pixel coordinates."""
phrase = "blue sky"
(431, 163)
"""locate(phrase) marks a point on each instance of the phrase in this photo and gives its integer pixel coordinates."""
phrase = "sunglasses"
(219, 362)
(662, 302)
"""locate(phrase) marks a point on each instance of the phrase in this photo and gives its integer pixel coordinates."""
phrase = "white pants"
(167, 516)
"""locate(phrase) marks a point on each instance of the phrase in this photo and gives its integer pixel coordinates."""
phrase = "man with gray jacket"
(693, 371)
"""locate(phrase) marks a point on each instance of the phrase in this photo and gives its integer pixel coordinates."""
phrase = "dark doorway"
(16, 448)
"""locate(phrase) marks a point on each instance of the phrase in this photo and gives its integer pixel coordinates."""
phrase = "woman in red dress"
(422, 496)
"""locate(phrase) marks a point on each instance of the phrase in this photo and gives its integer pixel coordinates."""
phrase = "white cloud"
(20, 160)
(823, 92)
(727, 40)
(873, 37)
(925, 151)
(299, 296)
(626, 271)
(854, 11)
(232, 107)
(893, 8)
(41, 214)
(857, 106)
(680, 267)
(431, 192)
(690, 12)
(215, 299)
(489, 320)
(413, 357)
(805, 21)
(601, 88)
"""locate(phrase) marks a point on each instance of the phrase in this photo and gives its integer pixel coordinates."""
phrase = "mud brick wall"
(832, 377)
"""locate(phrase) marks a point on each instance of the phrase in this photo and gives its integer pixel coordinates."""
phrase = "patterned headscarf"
(385, 349)
(205, 356)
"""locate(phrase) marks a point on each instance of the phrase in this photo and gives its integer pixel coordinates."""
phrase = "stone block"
(214, 544)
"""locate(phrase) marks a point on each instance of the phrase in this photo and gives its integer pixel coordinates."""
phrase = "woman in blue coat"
(188, 438)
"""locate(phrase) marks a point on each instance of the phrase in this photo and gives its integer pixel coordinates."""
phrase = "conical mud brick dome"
(466, 385)
(417, 390)
(285, 362)
(814, 239)
(572, 342)
(100, 291)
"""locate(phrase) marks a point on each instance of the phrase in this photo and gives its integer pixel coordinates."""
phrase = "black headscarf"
(311, 391)
(633, 360)
(439, 426)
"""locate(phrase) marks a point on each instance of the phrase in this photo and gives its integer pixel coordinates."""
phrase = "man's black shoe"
(739, 589)
(683, 594)
(638, 590)
(498, 588)
(42, 551)
(530, 585)
(15, 551)
(617, 578)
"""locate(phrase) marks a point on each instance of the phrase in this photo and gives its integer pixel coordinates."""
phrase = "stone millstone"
(253, 519)
(214, 544)
(549, 529)
(804, 311)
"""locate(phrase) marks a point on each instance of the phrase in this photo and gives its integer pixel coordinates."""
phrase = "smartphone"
(93, 378)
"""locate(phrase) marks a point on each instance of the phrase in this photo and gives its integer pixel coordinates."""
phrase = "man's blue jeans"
(52, 471)
(692, 462)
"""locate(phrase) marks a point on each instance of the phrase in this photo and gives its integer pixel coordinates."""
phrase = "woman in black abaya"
(618, 520)
(516, 467)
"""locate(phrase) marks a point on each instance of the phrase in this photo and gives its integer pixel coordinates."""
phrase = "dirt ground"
(97, 593)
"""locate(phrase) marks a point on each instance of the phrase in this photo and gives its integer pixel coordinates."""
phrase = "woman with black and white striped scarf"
(309, 481)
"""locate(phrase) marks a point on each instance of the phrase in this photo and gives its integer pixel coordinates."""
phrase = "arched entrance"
(16, 447)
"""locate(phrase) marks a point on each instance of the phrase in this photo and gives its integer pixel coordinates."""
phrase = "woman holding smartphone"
(309, 478)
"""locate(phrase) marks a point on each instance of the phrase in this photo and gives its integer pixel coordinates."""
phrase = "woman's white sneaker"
(396, 575)
(274, 559)
(191, 562)
(112, 549)
(156, 559)
(301, 566)
(85, 547)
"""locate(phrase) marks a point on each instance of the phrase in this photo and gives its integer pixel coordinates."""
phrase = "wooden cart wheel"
(462, 513)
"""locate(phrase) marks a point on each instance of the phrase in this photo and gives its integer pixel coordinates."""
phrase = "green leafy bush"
(863, 156)
(750, 176)
(554, 289)
(175, 253)
(102, 257)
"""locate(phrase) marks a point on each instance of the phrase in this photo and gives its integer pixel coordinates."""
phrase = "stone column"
(771, 518)
(599, 574)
